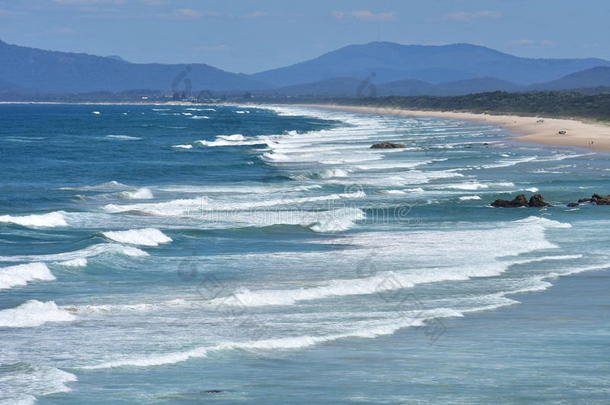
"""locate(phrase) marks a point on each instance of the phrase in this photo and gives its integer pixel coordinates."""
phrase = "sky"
(249, 36)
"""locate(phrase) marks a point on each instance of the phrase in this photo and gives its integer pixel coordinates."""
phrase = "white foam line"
(198, 205)
(87, 252)
(33, 313)
(144, 237)
(385, 281)
(386, 328)
(20, 275)
(52, 219)
(22, 382)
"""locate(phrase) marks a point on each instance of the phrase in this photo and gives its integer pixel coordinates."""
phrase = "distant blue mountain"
(436, 64)
(63, 72)
(394, 69)
(6, 87)
(594, 77)
(350, 87)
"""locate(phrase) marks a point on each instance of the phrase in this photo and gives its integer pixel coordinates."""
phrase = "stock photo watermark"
(228, 303)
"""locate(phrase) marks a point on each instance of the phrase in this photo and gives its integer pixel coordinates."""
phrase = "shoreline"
(581, 134)
(99, 103)
(588, 135)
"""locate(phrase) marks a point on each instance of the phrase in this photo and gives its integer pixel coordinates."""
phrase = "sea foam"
(81, 262)
(338, 220)
(123, 137)
(90, 251)
(382, 282)
(443, 247)
(233, 140)
(22, 382)
(33, 313)
(139, 194)
(22, 274)
(196, 206)
(371, 331)
(52, 219)
(144, 237)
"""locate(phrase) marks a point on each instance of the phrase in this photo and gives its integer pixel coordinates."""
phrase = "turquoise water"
(174, 254)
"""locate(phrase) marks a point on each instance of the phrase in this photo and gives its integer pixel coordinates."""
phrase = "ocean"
(267, 255)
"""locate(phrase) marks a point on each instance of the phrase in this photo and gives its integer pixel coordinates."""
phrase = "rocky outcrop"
(600, 199)
(595, 199)
(387, 145)
(518, 201)
(537, 200)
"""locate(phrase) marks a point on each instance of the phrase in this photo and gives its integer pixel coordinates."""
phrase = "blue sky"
(250, 36)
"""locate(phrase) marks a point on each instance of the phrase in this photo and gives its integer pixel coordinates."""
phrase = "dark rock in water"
(537, 200)
(212, 391)
(573, 205)
(387, 145)
(597, 199)
(518, 201)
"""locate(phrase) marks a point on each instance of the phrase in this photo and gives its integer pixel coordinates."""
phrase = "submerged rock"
(573, 205)
(537, 200)
(387, 145)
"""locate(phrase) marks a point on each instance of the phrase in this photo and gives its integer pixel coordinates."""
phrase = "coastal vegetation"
(568, 104)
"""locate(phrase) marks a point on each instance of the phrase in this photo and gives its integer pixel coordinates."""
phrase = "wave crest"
(33, 313)
(144, 237)
(50, 220)
(20, 275)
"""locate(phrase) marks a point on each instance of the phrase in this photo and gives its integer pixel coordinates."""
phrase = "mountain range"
(377, 68)
(64, 72)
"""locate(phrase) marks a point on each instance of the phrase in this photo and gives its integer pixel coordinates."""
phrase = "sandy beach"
(542, 130)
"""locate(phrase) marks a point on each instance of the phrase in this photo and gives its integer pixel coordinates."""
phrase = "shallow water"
(149, 254)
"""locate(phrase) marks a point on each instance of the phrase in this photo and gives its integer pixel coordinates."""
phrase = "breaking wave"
(22, 274)
(90, 251)
(50, 220)
(33, 313)
(139, 194)
(143, 237)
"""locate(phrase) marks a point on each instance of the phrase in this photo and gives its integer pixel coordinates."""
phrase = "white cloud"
(258, 14)
(466, 16)
(88, 2)
(365, 15)
(190, 14)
